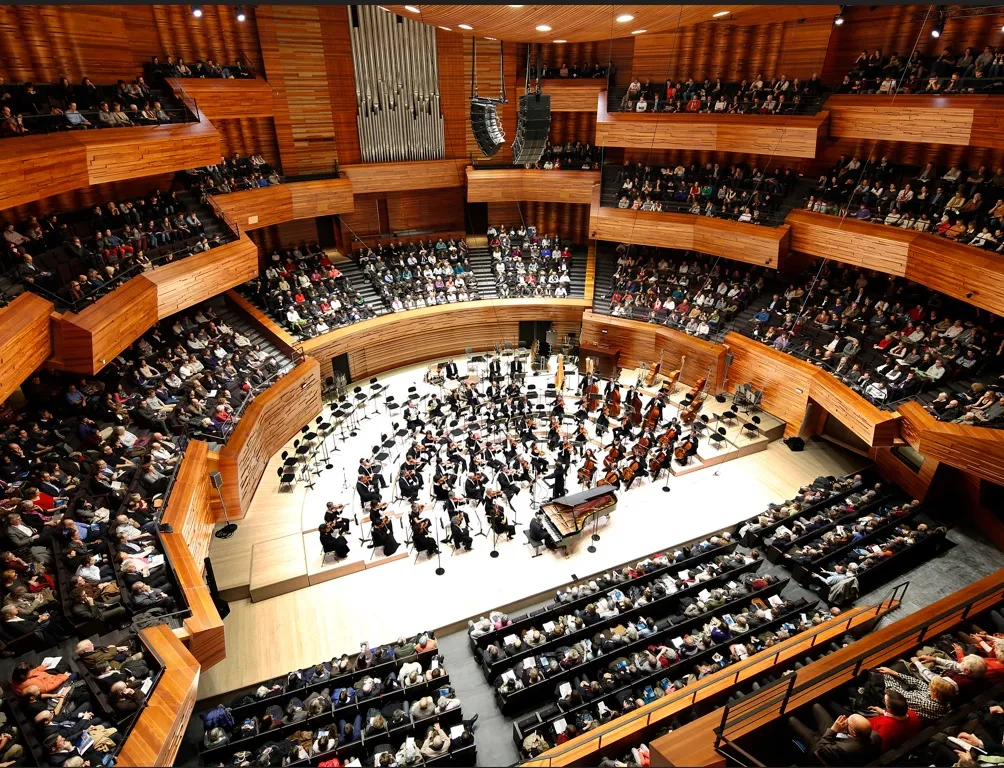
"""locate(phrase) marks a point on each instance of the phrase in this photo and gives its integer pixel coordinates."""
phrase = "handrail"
(190, 103)
(619, 724)
(250, 395)
(223, 215)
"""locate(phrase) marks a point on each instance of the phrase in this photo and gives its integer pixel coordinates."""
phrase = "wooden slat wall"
(249, 136)
(522, 184)
(391, 341)
(25, 342)
(766, 246)
(454, 93)
(976, 450)
(286, 235)
(268, 423)
(157, 734)
(573, 126)
(264, 206)
(188, 507)
(219, 99)
(917, 484)
(52, 164)
(568, 220)
(368, 178)
(573, 95)
(107, 42)
(646, 343)
(88, 197)
(341, 82)
(733, 52)
(437, 210)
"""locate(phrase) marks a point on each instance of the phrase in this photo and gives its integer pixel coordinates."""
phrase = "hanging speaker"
(486, 126)
(532, 128)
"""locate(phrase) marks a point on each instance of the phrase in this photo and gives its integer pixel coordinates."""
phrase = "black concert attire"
(333, 541)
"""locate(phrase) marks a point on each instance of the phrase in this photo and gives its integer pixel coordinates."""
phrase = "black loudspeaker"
(728, 358)
(222, 606)
(795, 443)
(532, 128)
(216, 479)
(486, 126)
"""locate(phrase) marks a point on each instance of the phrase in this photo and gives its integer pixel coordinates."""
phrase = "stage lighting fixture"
(839, 19)
(486, 126)
(239, 11)
(532, 128)
(197, 11)
(939, 25)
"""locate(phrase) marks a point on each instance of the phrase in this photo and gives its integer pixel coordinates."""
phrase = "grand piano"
(569, 518)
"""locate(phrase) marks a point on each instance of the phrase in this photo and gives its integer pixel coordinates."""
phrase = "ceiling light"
(491, 38)
(465, 26)
(719, 14)
(239, 11)
(625, 17)
(446, 28)
(197, 11)
(412, 8)
(559, 41)
(543, 28)
(839, 19)
(515, 6)
(639, 31)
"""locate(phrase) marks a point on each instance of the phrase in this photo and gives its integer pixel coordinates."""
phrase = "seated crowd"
(527, 265)
(573, 71)
(175, 66)
(964, 206)
(232, 174)
(886, 338)
(414, 275)
(569, 157)
(75, 258)
(698, 296)
(951, 73)
(738, 192)
(29, 108)
(758, 96)
(899, 707)
(306, 294)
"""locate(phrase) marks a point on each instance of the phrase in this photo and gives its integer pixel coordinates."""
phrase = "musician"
(455, 457)
(442, 483)
(526, 433)
(408, 486)
(412, 417)
(509, 482)
(434, 408)
(373, 469)
(451, 369)
(474, 487)
(497, 517)
(471, 396)
(624, 429)
(382, 534)
(332, 514)
(430, 443)
(367, 490)
(686, 449)
(565, 454)
(588, 469)
(558, 476)
(602, 423)
(459, 532)
(416, 457)
(538, 532)
(558, 409)
(580, 440)
(538, 459)
(332, 540)
(420, 528)
(495, 369)
(515, 368)
(554, 435)
(587, 381)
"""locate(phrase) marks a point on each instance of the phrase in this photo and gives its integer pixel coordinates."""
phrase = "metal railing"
(616, 729)
(776, 705)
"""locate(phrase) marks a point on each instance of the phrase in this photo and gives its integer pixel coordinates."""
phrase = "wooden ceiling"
(582, 23)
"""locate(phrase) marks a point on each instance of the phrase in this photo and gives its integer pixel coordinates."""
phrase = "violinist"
(581, 439)
(408, 485)
(442, 483)
(526, 434)
(558, 409)
(333, 540)
(333, 514)
(430, 444)
(565, 454)
(367, 490)
(460, 533)
(455, 457)
(420, 528)
(382, 534)
(418, 458)
(538, 459)
(603, 422)
(508, 482)
(497, 516)
(474, 488)
(510, 450)
(373, 469)
(554, 434)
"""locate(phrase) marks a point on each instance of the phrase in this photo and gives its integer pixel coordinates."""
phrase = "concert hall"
(501, 385)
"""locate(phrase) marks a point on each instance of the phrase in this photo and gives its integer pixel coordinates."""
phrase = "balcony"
(521, 184)
(265, 206)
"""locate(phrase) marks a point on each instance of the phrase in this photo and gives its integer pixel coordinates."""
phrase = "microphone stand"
(440, 570)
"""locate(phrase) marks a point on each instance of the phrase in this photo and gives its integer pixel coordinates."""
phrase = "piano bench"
(535, 543)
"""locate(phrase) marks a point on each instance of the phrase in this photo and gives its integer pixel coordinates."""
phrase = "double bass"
(653, 372)
(614, 403)
(592, 395)
(669, 385)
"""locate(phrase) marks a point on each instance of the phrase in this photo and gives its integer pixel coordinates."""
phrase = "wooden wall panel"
(392, 341)
(341, 81)
(619, 50)
(218, 99)
(733, 52)
(645, 343)
(25, 340)
(572, 127)
(485, 186)
(368, 178)
(965, 273)
(976, 450)
(432, 211)
(573, 95)
(861, 243)
(264, 206)
(567, 220)
(285, 235)
(959, 120)
(766, 246)
(917, 484)
(249, 136)
(454, 93)
(268, 423)
(87, 197)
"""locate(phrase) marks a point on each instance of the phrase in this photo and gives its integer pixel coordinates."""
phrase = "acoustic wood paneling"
(340, 76)
(249, 136)
(962, 120)
(25, 341)
(158, 731)
(567, 220)
(646, 343)
(796, 136)
(574, 95)
(48, 165)
(572, 127)
(293, 47)
(523, 184)
(454, 92)
(893, 469)
(436, 211)
(286, 235)
(188, 508)
(264, 206)
(369, 178)
(736, 51)
(765, 246)
(395, 340)
(268, 423)
(976, 450)
(218, 99)
(789, 383)
(603, 49)
(960, 271)
(182, 284)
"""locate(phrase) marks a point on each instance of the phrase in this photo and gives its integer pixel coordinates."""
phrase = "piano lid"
(574, 499)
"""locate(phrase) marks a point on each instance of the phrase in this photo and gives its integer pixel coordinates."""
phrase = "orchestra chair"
(449, 539)
(729, 416)
(537, 544)
(752, 427)
(718, 437)
(286, 478)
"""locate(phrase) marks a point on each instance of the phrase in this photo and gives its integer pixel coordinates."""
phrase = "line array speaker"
(532, 128)
(486, 126)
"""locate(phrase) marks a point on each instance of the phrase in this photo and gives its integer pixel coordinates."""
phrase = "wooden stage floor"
(304, 614)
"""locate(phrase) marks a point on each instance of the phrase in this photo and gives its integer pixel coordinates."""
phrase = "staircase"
(577, 274)
(361, 282)
(481, 263)
(606, 265)
(214, 226)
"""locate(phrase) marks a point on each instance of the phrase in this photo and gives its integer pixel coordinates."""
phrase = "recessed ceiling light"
(543, 28)
(465, 26)
(491, 38)
(720, 14)
(446, 28)
(639, 31)
(625, 17)
(515, 6)
(412, 8)
(559, 41)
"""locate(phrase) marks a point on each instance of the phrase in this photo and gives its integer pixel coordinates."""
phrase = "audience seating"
(947, 73)
(231, 174)
(525, 264)
(757, 96)
(580, 156)
(175, 66)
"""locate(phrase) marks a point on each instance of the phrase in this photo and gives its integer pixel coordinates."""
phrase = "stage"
(297, 616)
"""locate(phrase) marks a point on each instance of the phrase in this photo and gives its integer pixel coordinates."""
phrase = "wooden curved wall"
(25, 342)
(265, 206)
(222, 99)
(977, 450)
(521, 184)
(960, 271)
(369, 178)
(574, 95)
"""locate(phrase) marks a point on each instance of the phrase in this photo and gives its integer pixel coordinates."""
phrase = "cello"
(654, 415)
(684, 449)
(614, 403)
(629, 472)
(667, 438)
(669, 385)
(610, 478)
(612, 456)
(585, 473)
(656, 463)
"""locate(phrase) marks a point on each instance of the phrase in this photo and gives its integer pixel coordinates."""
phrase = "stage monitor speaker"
(222, 606)
(486, 126)
(552, 338)
(795, 443)
(216, 479)
(532, 128)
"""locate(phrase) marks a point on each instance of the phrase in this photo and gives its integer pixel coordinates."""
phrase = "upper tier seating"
(527, 265)
(756, 96)
(231, 174)
(950, 73)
